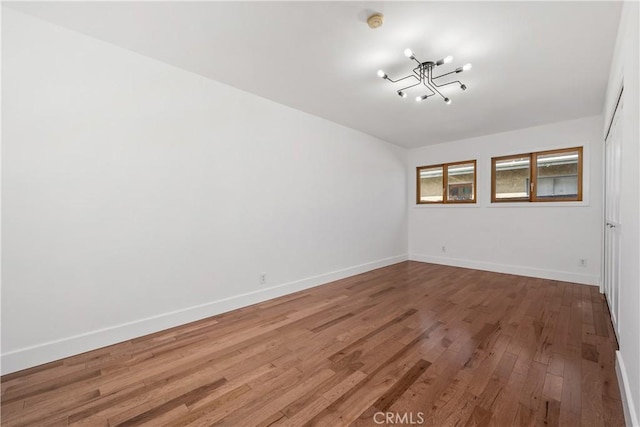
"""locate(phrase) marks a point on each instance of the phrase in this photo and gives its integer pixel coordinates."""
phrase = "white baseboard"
(630, 414)
(47, 352)
(585, 279)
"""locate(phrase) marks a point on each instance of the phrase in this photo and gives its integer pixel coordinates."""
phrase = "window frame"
(533, 177)
(445, 183)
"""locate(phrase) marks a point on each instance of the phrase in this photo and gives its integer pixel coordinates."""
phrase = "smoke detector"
(375, 20)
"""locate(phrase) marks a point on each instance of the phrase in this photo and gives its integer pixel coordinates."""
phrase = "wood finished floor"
(462, 347)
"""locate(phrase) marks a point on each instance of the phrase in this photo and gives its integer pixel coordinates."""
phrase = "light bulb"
(444, 60)
(447, 101)
(382, 74)
(463, 87)
(408, 53)
(419, 98)
(466, 67)
(402, 94)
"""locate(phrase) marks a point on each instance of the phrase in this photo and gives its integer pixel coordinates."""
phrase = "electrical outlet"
(263, 278)
(444, 249)
(582, 262)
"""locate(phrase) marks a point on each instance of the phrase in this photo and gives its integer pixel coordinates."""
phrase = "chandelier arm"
(416, 59)
(445, 74)
(420, 73)
(408, 87)
(432, 84)
(428, 87)
(446, 84)
(399, 80)
(436, 91)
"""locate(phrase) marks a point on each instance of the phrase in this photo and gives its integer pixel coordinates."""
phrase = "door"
(613, 228)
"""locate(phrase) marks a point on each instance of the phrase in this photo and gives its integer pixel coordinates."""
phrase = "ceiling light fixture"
(423, 73)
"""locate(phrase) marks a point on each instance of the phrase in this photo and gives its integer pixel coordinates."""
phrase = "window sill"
(446, 205)
(538, 204)
(504, 205)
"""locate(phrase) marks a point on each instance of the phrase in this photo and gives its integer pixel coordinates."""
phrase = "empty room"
(283, 213)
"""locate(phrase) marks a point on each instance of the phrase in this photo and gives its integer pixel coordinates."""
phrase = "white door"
(613, 227)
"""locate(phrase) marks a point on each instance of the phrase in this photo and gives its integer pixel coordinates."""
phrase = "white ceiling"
(533, 62)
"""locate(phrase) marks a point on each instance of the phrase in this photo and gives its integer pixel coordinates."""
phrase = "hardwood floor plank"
(551, 415)
(266, 410)
(360, 341)
(22, 393)
(332, 322)
(590, 352)
(479, 417)
(304, 415)
(496, 384)
(184, 400)
(552, 387)
(389, 398)
(571, 403)
(305, 399)
(202, 414)
(591, 405)
(356, 401)
(486, 368)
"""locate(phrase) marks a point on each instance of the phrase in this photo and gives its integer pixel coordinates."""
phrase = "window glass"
(512, 177)
(557, 175)
(460, 182)
(431, 184)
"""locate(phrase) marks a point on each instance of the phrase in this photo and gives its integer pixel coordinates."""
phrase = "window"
(447, 183)
(546, 176)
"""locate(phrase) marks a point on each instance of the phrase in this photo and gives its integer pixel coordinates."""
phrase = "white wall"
(625, 69)
(137, 196)
(533, 239)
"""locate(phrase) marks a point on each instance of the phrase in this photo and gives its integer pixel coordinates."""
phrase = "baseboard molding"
(50, 351)
(585, 279)
(630, 414)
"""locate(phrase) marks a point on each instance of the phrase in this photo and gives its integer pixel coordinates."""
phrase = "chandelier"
(423, 74)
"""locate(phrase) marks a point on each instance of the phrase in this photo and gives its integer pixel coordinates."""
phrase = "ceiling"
(533, 62)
